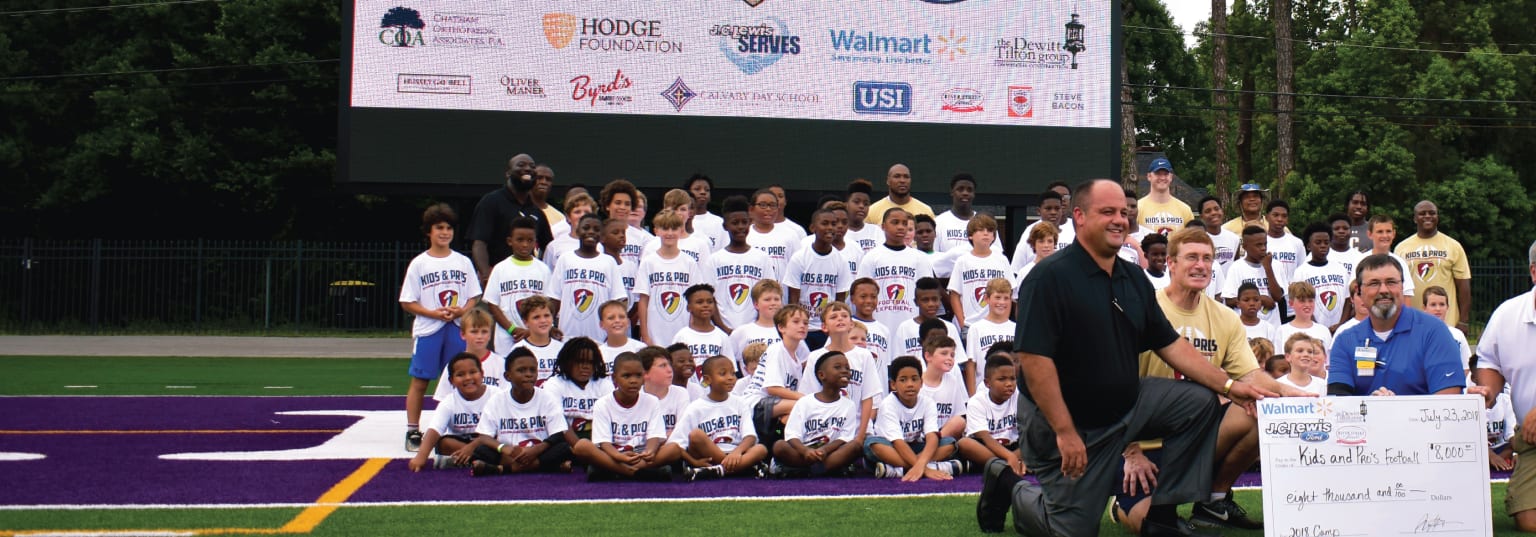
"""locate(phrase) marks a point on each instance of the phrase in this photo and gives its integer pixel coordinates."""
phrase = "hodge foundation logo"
(604, 34)
(962, 100)
(583, 89)
(753, 48)
(1021, 101)
(523, 87)
(893, 98)
(678, 94)
(443, 84)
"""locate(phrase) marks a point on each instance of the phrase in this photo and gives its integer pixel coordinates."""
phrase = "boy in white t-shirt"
(863, 376)
(615, 318)
(974, 269)
(515, 278)
(775, 386)
(1305, 355)
(579, 380)
(702, 337)
(995, 327)
(895, 268)
(661, 281)
(440, 285)
(864, 296)
(627, 430)
(1248, 304)
(1258, 268)
(906, 440)
(475, 328)
(943, 388)
(991, 417)
(1303, 300)
(661, 381)
(452, 430)
(860, 192)
(715, 436)
(910, 337)
(696, 245)
(540, 340)
(522, 429)
(1328, 279)
(767, 300)
(1437, 302)
(772, 239)
(582, 280)
(817, 275)
(819, 433)
(739, 268)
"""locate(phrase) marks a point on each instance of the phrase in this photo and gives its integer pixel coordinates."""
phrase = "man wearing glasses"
(1399, 350)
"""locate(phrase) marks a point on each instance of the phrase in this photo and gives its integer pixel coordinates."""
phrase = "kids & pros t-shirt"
(896, 272)
(864, 381)
(663, 282)
(577, 402)
(521, 424)
(494, 369)
(735, 274)
(895, 420)
(627, 428)
(703, 345)
(950, 397)
(438, 282)
(672, 407)
(817, 423)
(820, 278)
(983, 333)
(545, 354)
(999, 420)
(727, 423)
(582, 285)
(457, 416)
(969, 280)
(511, 281)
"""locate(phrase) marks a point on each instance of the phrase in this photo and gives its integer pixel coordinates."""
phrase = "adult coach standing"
(494, 214)
(1435, 258)
(1504, 354)
(1089, 316)
(898, 183)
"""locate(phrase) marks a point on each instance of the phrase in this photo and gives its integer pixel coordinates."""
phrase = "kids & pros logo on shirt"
(583, 299)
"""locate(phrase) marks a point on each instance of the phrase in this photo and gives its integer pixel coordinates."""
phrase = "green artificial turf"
(947, 515)
(50, 375)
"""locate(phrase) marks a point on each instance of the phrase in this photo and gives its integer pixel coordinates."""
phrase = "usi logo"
(882, 98)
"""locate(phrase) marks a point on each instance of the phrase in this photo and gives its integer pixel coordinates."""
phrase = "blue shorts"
(431, 353)
(917, 447)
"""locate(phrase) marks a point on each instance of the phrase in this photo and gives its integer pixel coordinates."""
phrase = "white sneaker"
(886, 471)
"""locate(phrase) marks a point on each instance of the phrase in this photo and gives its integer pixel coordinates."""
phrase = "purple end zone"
(141, 413)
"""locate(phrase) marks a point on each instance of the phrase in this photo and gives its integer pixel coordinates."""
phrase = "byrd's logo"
(1021, 101)
(584, 90)
(402, 28)
(583, 299)
(882, 98)
(559, 29)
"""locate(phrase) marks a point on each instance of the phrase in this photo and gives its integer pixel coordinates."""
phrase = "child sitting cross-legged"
(820, 428)
(906, 441)
(522, 429)
(715, 436)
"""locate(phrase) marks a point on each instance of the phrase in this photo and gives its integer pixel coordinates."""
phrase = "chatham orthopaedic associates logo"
(893, 98)
(403, 27)
(605, 34)
(442, 84)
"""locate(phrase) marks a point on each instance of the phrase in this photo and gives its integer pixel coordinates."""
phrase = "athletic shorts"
(917, 447)
(1522, 483)
(1127, 501)
(430, 354)
(465, 438)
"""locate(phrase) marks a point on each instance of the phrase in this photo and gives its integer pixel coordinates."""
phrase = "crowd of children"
(745, 344)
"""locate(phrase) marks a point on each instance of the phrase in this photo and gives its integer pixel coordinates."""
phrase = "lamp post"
(1074, 43)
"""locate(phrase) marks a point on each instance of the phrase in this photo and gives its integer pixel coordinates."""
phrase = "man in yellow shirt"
(1250, 205)
(898, 181)
(1160, 211)
(1218, 335)
(1437, 259)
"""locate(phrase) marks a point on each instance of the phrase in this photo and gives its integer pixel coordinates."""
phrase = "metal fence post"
(197, 303)
(267, 295)
(26, 283)
(399, 277)
(298, 281)
(95, 285)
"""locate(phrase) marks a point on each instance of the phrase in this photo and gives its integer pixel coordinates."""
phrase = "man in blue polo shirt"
(1401, 351)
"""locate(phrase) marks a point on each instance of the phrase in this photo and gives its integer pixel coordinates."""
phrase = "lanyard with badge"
(1365, 360)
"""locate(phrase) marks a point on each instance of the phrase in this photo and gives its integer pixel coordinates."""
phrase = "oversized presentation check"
(1357, 466)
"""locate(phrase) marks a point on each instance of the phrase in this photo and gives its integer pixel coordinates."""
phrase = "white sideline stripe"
(89, 507)
(179, 387)
(8, 456)
(374, 387)
(277, 387)
(79, 386)
(34, 396)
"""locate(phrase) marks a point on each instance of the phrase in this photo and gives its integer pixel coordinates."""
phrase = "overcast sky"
(1186, 13)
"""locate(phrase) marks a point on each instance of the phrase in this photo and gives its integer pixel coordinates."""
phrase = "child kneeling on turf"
(452, 429)
(991, 416)
(905, 440)
(820, 426)
(715, 435)
(523, 429)
(626, 429)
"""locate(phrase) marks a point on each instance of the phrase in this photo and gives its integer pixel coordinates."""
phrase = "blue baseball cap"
(1160, 163)
(1251, 187)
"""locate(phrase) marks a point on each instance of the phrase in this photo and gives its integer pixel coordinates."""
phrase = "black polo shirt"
(493, 220)
(1092, 325)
